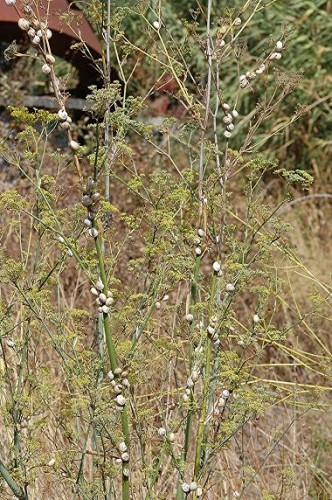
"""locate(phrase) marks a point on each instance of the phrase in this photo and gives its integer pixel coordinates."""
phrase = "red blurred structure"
(63, 35)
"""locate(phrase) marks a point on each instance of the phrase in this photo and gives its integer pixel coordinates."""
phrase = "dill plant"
(143, 294)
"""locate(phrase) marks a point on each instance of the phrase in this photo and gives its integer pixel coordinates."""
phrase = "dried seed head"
(118, 370)
(237, 21)
(165, 298)
(94, 291)
(110, 375)
(51, 462)
(156, 25)
(23, 24)
(199, 492)
(158, 305)
(256, 318)
(162, 432)
(61, 239)
(235, 113)
(31, 32)
(109, 301)
(125, 472)
(194, 375)
(185, 397)
(105, 309)
(227, 119)
(189, 318)
(225, 106)
(230, 127)
(198, 251)
(227, 134)
(201, 232)
(48, 34)
(244, 83)
(10, 343)
(86, 222)
(279, 45)
(10, 2)
(230, 287)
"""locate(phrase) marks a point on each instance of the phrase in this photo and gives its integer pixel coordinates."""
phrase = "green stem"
(189, 420)
(206, 386)
(113, 361)
(16, 489)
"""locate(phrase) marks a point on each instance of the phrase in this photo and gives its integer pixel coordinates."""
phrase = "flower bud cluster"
(119, 382)
(228, 119)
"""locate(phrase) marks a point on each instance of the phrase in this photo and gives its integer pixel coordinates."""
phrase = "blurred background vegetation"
(307, 29)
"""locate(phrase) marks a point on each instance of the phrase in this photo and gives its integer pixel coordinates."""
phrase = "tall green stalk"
(206, 386)
(113, 361)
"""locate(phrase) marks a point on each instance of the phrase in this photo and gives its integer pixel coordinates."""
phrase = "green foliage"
(197, 325)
